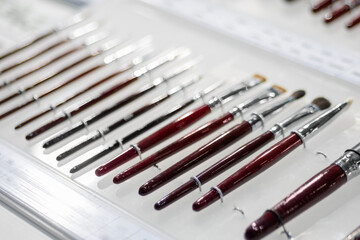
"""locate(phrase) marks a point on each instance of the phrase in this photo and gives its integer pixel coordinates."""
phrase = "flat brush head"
(279, 89)
(321, 103)
(258, 76)
(298, 94)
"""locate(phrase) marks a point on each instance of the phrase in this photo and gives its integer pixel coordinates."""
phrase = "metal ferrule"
(161, 60)
(207, 90)
(280, 127)
(238, 89)
(313, 126)
(181, 87)
(257, 120)
(350, 162)
(264, 97)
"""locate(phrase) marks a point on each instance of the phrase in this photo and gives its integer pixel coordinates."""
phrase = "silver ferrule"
(264, 97)
(83, 30)
(236, 90)
(183, 86)
(309, 129)
(257, 120)
(350, 162)
(280, 127)
(159, 61)
(207, 90)
(354, 235)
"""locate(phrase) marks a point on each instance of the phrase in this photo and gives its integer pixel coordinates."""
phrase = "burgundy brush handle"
(216, 169)
(81, 108)
(353, 22)
(314, 190)
(27, 44)
(13, 110)
(174, 147)
(250, 170)
(337, 13)
(57, 58)
(54, 45)
(197, 157)
(54, 89)
(98, 83)
(321, 5)
(161, 135)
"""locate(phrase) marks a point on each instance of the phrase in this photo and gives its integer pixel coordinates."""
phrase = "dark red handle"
(179, 124)
(81, 108)
(261, 163)
(321, 5)
(197, 157)
(235, 157)
(313, 191)
(175, 147)
(172, 128)
(337, 13)
(249, 171)
(216, 169)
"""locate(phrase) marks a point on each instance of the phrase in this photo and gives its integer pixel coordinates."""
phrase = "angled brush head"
(279, 89)
(298, 94)
(258, 76)
(321, 103)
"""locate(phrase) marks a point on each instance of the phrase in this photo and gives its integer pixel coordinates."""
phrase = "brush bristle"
(279, 89)
(258, 76)
(350, 101)
(298, 94)
(322, 103)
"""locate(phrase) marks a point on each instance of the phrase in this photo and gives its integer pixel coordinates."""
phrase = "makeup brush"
(241, 153)
(148, 126)
(313, 191)
(171, 56)
(122, 121)
(197, 134)
(178, 125)
(269, 157)
(74, 20)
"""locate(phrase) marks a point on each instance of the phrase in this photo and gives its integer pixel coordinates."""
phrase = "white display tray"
(84, 205)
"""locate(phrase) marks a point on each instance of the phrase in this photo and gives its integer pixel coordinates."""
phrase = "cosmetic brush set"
(173, 129)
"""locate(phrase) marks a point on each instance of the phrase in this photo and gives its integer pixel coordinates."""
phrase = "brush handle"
(73, 79)
(337, 13)
(52, 46)
(157, 121)
(321, 5)
(161, 135)
(113, 126)
(172, 128)
(17, 108)
(314, 190)
(98, 83)
(55, 59)
(353, 22)
(27, 44)
(136, 133)
(235, 157)
(88, 104)
(261, 163)
(74, 64)
(200, 155)
(250, 170)
(216, 169)
(175, 147)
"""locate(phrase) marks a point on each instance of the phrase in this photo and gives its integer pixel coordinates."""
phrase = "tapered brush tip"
(350, 101)
(279, 89)
(260, 77)
(298, 94)
(321, 103)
